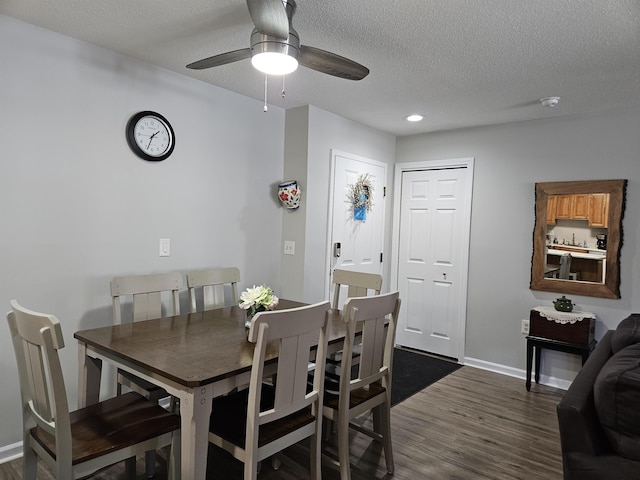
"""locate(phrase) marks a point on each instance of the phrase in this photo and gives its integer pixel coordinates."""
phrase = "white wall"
(509, 160)
(311, 135)
(77, 207)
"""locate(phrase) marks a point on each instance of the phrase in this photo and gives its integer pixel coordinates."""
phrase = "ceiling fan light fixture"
(274, 56)
(274, 63)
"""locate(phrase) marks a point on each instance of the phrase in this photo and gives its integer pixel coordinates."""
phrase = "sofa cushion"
(627, 333)
(617, 397)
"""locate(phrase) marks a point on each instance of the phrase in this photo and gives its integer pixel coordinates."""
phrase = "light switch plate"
(165, 247)
(289, 247)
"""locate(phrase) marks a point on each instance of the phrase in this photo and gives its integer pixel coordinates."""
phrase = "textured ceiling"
(461, 63)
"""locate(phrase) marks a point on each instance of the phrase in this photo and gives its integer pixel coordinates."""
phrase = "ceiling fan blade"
(269, 17)
(327, 62)
(221, 59)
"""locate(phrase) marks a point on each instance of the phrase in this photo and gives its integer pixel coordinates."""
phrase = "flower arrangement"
(258, 299)
(361, 193)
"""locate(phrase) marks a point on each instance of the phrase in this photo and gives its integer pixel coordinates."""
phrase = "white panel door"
(430, 254)
(361, 241)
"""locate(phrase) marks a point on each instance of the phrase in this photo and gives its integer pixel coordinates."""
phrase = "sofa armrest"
(580, 430)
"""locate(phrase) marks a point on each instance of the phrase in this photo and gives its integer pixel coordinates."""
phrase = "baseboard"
(10, 452)
(515, 372)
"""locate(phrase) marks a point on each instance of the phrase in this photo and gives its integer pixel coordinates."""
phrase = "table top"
(192, 349)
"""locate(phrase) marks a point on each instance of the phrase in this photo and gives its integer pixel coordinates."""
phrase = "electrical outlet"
(525, 327)
(289, 247)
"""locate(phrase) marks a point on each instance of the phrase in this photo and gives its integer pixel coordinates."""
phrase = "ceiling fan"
(275, 38)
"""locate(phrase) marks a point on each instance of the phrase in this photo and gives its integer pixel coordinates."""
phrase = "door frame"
(400, 168)
(329, 251)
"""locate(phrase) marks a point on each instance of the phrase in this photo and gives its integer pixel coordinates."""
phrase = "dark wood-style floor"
(473, 424)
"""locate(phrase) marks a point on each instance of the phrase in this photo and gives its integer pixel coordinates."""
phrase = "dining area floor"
(471, 424)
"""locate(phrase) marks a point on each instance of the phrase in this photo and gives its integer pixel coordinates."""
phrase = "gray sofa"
(599, 415)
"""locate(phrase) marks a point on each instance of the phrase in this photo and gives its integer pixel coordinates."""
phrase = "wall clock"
(150, 136)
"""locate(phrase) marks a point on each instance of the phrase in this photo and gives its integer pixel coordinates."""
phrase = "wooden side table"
(569, 332)
(537, 344)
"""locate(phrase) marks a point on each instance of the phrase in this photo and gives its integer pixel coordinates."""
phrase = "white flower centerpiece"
(257, 299)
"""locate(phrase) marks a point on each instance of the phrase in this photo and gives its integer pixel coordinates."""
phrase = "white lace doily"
(554, 315)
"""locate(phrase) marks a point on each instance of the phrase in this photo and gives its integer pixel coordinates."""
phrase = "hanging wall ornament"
(289, 194)
(361, 197)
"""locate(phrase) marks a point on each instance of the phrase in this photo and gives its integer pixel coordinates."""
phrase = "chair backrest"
(296, 331)
(37, 337)
(565, 266)
(377, 317)
(146, 291)
(358, 284)
(212, 282)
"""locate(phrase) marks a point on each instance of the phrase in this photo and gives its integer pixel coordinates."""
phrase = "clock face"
(150, 136)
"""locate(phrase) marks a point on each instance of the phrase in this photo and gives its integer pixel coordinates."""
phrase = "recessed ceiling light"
(549, 101)
(415, 117)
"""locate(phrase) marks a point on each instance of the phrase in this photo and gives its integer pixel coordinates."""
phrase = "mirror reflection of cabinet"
(590, 207)
(580, 207)
(552, 208)
(599, 210)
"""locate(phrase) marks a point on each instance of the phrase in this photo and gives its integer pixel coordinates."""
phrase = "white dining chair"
(146, 294)
(77, 444)
(260, 421)
(358, 284)
(370, 389)
(207, 287)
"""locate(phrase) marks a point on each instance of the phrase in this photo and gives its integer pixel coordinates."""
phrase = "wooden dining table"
(194, 357)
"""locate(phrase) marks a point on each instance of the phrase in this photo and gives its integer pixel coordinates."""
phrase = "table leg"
(529, 358)
(195, 410)
(585, 356)
(538, 351)
(89, 375)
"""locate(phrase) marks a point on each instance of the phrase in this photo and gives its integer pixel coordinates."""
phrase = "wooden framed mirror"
(577, 237)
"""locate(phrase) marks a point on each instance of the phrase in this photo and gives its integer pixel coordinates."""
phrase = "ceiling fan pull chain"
(283, 92)
(265, 108)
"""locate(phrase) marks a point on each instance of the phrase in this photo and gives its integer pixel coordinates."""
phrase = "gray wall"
(509, 160)
(311, 135)
(77, 207)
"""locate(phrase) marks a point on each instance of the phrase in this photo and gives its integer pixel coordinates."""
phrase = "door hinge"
(380, 257)
(384, 191)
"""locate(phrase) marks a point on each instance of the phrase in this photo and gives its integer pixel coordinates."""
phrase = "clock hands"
(151, 139)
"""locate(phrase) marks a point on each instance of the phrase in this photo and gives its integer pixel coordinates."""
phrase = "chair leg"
(327, 426)
(130, 468)
(377, 419)
(316, 456)
(385, 421)
(173, 460)
(150, 463)
(343, 447)
(63, 471)
(251, 469)
(29, 462)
